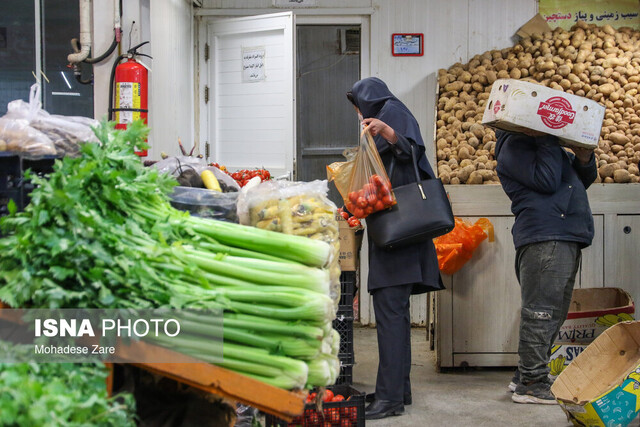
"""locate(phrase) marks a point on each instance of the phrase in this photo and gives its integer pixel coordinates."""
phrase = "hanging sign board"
(403, 44)
(565, 13)
(253, 64)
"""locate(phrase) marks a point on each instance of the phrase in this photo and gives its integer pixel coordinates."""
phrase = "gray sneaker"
(514, 381)
(535, 392)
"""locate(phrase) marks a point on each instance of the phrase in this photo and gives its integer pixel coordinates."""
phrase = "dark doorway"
(328, 64)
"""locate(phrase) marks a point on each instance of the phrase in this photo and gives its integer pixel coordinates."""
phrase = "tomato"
(378, 180)
(345, 422)
(353, 197)
(379, 206)
(313, 417)
(368, 210)
(350, 206)
(328, 395)
(362, 202)
(387, 200)
(358, 213)
(344, 215)
(372, 199)
(369, 189)
(311, 397)
(337, 398)
(332, 415)
(353, 222)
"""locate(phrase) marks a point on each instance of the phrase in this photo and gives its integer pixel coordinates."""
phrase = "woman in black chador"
(397, 273)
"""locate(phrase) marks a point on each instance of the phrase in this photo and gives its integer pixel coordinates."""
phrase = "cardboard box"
(350, 242)
(592, 311)
(562, 355)
(601, 387)
(515, 105)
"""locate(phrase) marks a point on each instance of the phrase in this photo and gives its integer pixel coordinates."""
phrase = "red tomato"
(345, 422)
(328, 395)
(372, 199)
(313, 417)
(345, 412)
(350, 206)
(344, 215)
(387, 200)
(358, 213)
(311, 397)
(353, 197)
(369, 189)
(362, 202)
(332, 415)
(353, 222)
(368, 210)
(378, 180)
(337, 398)
(379, 206)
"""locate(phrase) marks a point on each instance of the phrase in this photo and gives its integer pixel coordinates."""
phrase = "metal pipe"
(85, 33)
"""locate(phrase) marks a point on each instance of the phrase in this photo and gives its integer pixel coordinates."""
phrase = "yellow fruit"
(210, 181)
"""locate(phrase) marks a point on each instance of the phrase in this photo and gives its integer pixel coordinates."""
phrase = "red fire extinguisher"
(130, 83)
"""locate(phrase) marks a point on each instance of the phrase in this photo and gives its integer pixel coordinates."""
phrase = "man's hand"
(582, 154)
(378, 127)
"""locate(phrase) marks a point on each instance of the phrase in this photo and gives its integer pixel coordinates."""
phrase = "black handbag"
(422, 212)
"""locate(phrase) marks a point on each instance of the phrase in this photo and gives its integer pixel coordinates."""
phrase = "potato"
(475, 178)
(621, 176)
(608, 170)
(618, 138)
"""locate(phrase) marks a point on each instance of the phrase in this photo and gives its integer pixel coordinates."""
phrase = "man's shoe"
(514, 381)
(535, 392)
(370, 397)
(383, 408)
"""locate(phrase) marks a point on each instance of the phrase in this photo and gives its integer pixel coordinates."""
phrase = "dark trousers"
(546, 272)
(393, 325)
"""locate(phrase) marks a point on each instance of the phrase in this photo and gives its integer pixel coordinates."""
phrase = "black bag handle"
(414, 160)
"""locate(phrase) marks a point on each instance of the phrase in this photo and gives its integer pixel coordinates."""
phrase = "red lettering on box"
(556, 112)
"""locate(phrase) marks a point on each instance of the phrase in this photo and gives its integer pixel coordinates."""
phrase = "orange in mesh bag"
(454, 249)
(362, 180)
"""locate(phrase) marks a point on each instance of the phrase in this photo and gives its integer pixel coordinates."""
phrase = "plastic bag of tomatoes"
(362, 180)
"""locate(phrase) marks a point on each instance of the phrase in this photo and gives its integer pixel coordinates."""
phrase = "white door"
(251, 93)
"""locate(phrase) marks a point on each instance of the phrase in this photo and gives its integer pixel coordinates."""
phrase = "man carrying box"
(547, 187)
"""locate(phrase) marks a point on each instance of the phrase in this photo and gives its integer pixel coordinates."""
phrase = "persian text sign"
(565, 13)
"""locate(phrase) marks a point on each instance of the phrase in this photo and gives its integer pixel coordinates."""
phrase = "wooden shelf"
(215, 380)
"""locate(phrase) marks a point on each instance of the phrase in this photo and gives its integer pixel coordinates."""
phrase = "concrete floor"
(475, 397)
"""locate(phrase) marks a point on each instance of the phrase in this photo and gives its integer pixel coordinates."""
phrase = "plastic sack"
(206, 203)
(297, 208)
(454, 249)
(175, 165)
(29, 129)
(362, 180)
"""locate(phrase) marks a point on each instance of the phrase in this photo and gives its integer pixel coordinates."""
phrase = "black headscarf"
(374, 100)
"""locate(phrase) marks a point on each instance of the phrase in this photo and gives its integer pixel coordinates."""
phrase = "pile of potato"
(599, 63)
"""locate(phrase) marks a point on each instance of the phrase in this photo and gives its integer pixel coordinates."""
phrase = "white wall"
(168, 24)
(454, 31)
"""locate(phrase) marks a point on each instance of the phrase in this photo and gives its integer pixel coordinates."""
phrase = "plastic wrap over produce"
(28, 129)
(297, 208)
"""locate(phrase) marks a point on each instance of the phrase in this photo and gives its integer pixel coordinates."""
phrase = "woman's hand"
(378, 127)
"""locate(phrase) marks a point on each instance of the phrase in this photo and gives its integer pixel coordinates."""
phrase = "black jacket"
(547, 187)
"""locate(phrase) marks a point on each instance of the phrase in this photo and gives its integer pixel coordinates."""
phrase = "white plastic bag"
(29, 129)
